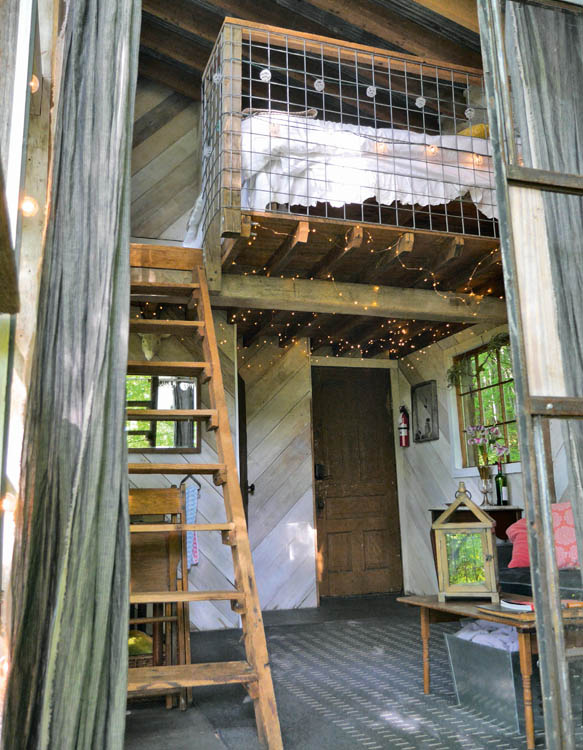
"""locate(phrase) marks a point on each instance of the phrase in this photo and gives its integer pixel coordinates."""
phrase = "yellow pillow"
(139, 643)
(477, 131)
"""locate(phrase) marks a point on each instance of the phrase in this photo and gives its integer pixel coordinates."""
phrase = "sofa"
(517, 580)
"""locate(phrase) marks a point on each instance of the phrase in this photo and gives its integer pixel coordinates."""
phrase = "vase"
(485, 484)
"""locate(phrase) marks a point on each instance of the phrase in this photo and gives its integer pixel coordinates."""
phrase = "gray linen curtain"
(183, 391)
(68, 634)
(545, 57)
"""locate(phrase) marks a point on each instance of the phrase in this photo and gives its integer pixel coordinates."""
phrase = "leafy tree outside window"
(485, 395)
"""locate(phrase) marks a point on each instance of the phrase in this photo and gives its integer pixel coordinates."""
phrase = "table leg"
(525, 651)
(425, 641)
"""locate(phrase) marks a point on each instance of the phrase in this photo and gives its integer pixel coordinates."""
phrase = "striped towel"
(191, 540)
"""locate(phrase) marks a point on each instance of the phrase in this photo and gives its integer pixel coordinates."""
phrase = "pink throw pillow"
(565, 542)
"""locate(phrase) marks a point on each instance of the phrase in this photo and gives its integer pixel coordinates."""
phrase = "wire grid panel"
(329, 130)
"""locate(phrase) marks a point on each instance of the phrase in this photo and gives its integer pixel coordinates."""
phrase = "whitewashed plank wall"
(165, 162)
(279, 437)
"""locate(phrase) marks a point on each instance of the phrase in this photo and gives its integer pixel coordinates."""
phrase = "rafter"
(183, 48)
(351, 241)
(187, 16)
(462, 12)
(402, 248)
(177, 77)
(282, 256)
(399, 31)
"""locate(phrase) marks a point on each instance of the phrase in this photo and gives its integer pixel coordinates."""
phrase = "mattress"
(295, 160)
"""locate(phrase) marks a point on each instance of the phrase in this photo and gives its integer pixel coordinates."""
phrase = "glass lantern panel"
(465, 557)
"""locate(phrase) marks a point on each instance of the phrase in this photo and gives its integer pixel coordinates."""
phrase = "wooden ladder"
(254, 673)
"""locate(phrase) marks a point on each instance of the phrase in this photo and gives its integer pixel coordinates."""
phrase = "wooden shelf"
(160, 679)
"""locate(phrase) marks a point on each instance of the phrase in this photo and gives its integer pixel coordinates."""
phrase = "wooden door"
(359, 546)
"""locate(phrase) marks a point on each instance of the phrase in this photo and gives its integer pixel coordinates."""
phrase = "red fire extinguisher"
(404, 427)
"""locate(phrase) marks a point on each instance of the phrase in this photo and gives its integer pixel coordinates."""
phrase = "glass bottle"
(501, 486)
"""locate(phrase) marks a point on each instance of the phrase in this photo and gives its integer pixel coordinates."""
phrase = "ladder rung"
(218, 470)
(189, 369)
(172, 415)
(176, 327)
(168, 597)
(141, 528)
(160, 289)
(159, 679)
(148, 620)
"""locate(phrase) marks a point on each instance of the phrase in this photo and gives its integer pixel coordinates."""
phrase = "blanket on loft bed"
(295, 160)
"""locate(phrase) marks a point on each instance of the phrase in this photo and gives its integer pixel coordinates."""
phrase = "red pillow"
(564, 533)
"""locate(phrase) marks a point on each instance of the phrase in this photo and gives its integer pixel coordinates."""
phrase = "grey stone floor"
(347, 675)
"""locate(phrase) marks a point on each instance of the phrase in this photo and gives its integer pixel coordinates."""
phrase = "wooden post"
(525, 651)
(425, 641)
(230, 153)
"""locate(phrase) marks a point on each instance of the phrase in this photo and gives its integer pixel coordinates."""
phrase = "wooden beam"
(230, 246)
(281, 257)
(302, 295)
(164, 256)
(187, 16)
(384, 259)
(453, 250)
(462, 12)
(352, 240)
(178, 47)
(176, 77)
(397, 30)
(380, 363)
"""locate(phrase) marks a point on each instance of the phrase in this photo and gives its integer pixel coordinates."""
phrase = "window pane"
(513, 442)
(492, 406)
(465, 557)
(488, 365)
(509, 400)
(138, 387)
(506, 363)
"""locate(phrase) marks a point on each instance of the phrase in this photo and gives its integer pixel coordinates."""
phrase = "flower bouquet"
(486, 438)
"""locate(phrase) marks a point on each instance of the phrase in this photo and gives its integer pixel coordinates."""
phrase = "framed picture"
(424, 407)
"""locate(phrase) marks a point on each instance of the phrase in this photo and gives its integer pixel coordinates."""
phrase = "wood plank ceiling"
(176, 40)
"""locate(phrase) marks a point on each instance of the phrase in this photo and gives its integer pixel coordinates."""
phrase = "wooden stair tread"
(149, 679)
(166, 326)
(152, 468)
(143, 528)
(168, 597)
(170, 415)
(143, 367)
(161, 289)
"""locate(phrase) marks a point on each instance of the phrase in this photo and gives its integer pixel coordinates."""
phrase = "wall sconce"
(28, 206)
(34, 84)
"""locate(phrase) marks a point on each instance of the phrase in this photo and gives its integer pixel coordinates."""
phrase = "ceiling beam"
(179, 47)
(177, 77)
(302, 295)
(399, 31)
(186, 16)
(352, 241)
(282, 256)
(462, 12)
(401, 249)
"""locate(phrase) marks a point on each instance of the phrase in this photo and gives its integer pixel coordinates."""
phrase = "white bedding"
(302, 161)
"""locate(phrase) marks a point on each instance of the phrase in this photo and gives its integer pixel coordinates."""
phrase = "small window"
(144, 392)
(486, 396)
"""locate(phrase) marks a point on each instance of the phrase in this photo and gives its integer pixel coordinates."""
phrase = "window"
(145, 392)
(485, 395)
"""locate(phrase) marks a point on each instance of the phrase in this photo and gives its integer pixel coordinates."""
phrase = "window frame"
(459, 395)
(151, 433)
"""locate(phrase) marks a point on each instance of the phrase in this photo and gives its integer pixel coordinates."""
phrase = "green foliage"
(139, 388)
(464, 368)
(465, 558)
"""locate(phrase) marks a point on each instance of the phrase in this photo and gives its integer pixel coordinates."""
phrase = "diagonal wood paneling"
(165, 162)
(279, 439)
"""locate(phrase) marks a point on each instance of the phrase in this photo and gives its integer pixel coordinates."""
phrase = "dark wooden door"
(359, 547)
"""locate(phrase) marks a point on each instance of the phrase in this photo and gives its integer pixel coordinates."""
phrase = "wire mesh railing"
(298, 124)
